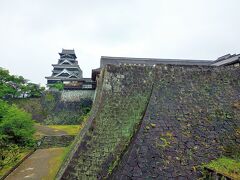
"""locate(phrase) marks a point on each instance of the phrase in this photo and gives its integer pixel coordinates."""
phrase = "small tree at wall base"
(59, 86)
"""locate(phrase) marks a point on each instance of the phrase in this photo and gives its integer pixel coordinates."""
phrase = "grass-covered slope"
(123, 94)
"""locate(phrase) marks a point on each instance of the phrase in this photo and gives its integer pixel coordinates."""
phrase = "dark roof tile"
(151, 61)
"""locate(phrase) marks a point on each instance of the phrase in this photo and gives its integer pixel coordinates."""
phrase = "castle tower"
(66, 70)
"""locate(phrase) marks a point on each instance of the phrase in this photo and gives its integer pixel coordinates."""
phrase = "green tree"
(59, 86)
(3, 108)
(31, 90)
(16, 125)
(35, 90)
(12, 86)
(6, 88)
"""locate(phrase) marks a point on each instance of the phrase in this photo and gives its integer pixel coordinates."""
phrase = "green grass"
(6, 168)
(56, 162)
(225, 166)
(69, 129)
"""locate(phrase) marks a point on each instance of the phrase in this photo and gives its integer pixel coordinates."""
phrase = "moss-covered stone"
(191, 118)
(228, 167)
(196, 114)
(119, 114)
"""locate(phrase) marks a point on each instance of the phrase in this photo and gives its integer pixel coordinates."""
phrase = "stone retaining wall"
(158, 123)
(59, 107)
(121, 104)
(55, 141)
(192, 118)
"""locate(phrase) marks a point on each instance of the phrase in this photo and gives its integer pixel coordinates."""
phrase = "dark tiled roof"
(227, 60)
(224, 57)
(67, 78)
(66, 65)
(151, 61)
(68, 51)
(221, 61)
(98, 69)
(87, 79)
(63, 78)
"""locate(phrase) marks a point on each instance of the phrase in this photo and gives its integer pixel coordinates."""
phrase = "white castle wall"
(77, 95)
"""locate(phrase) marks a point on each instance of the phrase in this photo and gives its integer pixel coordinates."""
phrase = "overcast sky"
(32, 32)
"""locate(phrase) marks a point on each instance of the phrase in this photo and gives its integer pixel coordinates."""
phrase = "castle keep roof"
(70, 52)
(67, 67)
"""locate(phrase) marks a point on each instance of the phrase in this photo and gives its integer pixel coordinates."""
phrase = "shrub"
(59, 86)
(9, 154)
(16, 125)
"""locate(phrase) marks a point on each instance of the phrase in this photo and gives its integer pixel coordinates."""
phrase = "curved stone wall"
(191, 119)
(158, 123)
(120, 109)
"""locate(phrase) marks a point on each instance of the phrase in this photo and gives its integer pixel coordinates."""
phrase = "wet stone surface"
(192, 118)
(194, 122)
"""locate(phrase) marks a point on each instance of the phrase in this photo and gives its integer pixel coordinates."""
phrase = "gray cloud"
(33, 32)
